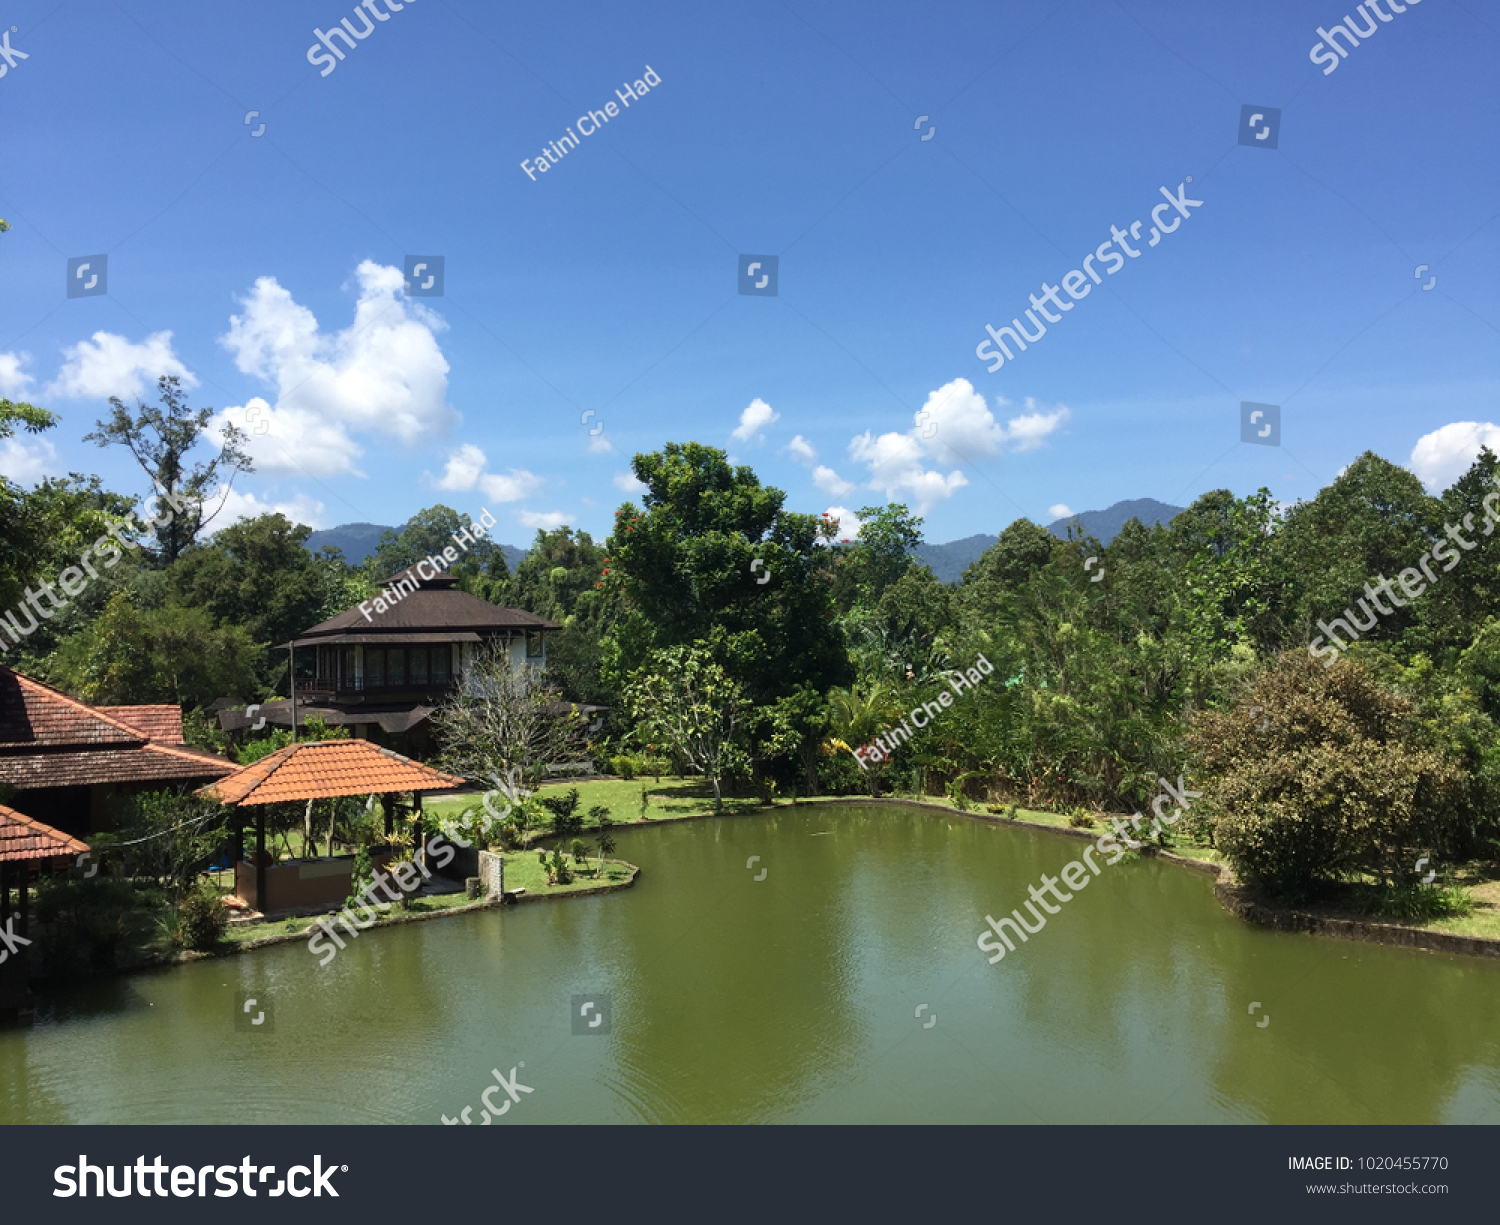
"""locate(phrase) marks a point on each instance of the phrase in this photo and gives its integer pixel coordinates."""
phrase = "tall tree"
(160, 438)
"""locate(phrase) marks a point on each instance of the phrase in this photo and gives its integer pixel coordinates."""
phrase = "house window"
(374, 667)
(533, 644)
(442, 664)
(395, 667)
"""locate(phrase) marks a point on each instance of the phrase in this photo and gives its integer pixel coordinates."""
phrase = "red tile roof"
(48, 739)
(25, 838)
(324, 769)
(162, 724)
(33, 714)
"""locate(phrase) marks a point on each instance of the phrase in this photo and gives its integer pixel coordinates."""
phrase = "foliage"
(83, 921)
(168, 838)
(685, 700)
(566, 819)
(1336, 782)
(160, 438)
(202, 919)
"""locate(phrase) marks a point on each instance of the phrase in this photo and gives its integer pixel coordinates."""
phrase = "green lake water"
(793, 998)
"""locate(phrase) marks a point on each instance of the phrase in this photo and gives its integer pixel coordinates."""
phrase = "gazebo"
(25, 844)
(326, 769)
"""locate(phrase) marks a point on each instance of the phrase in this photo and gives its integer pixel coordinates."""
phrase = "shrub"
(82, 922)
(1081, 818)
(566, 819)
(201, 919)
(1337, 782)
(623, 767)
(1422, 902)
(579, 854)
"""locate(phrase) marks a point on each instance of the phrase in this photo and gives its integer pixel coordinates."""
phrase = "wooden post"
(23, 898)
(4, 894)
(261, 903)
(291, 684)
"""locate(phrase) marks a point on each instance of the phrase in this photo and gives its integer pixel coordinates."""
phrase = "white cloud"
(848, 522)
(468, 468)
(232, 505)
(465, 466)
(954, 425)
(384, 373)
(830, 482)
(1060, 511)
(1441, 457)
(757, 415)
(548, 520)
(626, 483)
(801, 449)
(289, 440)
(26, 461)
(600, 445)
(109, 365)
(511, 487)
(13, 380)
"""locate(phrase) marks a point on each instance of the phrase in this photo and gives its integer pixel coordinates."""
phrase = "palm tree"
(857, 717)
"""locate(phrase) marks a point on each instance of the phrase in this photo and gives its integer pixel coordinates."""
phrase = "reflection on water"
(794, 998)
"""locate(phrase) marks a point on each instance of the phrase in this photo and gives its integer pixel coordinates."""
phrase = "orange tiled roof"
(162, 724)
(325, 769)
(25, 838)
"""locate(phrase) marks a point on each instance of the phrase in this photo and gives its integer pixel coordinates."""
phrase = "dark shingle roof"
(162, 724)
(436, 605)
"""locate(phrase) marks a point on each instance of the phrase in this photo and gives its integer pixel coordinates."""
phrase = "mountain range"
(948, 561)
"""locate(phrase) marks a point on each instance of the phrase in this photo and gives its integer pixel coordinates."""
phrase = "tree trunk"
(718, 798)
(308, 849)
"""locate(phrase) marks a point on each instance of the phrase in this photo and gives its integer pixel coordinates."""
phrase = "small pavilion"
(26, 847)
(320, 770)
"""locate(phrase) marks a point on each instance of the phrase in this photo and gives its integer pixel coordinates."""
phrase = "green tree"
(168, 654)
(1320, 775)
(160, 439)
(682, 564)
(684, 700)
(24, 528)
(428, 533)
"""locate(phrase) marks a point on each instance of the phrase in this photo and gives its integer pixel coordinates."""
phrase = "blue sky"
(270, 267)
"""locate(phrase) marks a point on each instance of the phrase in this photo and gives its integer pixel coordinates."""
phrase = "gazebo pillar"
(22, 900)
(260, 861)
(4, 894)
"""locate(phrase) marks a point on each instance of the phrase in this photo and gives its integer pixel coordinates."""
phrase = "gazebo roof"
(24, 838)
(325, 769)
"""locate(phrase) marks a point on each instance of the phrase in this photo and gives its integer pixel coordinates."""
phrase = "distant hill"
(359, 540)
(949, 561)
(1105, 524)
